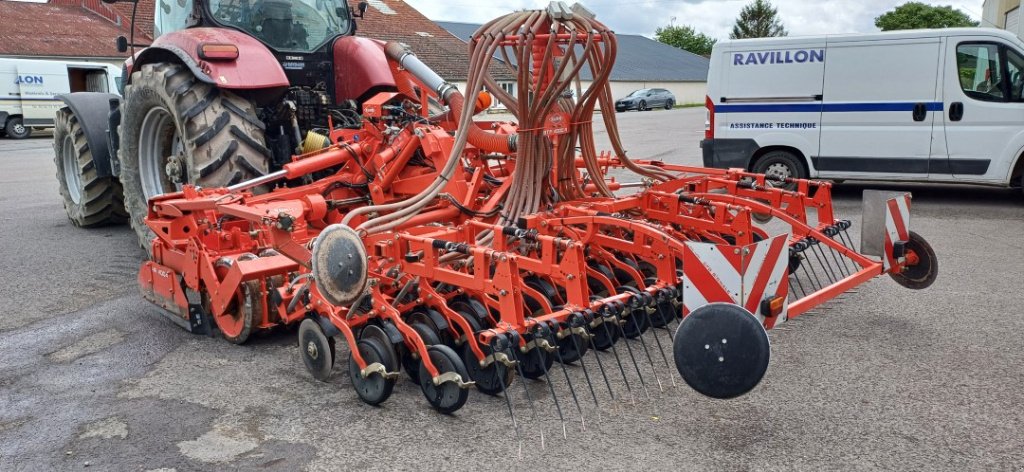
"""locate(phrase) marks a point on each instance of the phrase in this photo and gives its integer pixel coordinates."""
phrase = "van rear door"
(879, 108)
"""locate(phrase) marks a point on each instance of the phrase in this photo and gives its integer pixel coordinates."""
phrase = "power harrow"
(468, 253)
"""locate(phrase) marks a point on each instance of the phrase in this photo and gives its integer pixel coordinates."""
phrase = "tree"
(686, 38)
(759, 19)
(913, 15)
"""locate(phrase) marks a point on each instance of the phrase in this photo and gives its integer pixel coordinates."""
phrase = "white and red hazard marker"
(744, 275)
(897, 224)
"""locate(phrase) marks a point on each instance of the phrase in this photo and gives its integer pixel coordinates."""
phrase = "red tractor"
(227, 92)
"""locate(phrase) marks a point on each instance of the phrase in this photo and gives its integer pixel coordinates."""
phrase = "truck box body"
(919, 105)
(29, 88)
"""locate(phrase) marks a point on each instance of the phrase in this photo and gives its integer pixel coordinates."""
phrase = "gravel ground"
(93, 376)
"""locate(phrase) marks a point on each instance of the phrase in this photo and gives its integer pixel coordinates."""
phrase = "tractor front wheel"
(177, 130)
(89, 200)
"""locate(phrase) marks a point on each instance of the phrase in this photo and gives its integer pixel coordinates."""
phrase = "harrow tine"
(575, 399)
(586, 374)
(808, 265)
(622, 336)
(512, 414)
(600, 365)
(551, 388)
(526, 390)
(661, 350)
(650, 360)
(839, 265)
(618, 360)
(825, 268)
(803, 291)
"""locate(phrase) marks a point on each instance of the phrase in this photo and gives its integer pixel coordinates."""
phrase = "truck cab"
(919, 105)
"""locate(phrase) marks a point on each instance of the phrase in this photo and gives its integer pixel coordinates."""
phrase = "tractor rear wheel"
(89, 200)
(176, 130)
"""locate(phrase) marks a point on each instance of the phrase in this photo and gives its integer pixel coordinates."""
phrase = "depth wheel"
(721, 350)
(375, 388)
(922, 264)
(448, 397)
(317, 349)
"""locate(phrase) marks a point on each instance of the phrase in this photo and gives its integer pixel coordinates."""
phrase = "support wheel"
(89, 200)
(317, 349)
(177, 130)
(922, 265)
(721, 350)
(447, 397)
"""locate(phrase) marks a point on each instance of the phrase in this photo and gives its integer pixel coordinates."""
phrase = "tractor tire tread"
(101, 201)
(215, 125)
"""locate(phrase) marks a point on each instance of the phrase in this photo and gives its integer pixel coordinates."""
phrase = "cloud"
(713, 17)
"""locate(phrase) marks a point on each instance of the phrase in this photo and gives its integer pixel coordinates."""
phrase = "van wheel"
(783, 165)
(16, 129)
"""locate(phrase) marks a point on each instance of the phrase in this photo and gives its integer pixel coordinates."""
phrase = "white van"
(29, 89)
(919, 105)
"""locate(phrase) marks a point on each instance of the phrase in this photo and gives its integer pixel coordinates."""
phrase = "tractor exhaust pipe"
(400, 53)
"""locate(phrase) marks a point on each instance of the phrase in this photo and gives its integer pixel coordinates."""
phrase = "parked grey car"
(646, 99)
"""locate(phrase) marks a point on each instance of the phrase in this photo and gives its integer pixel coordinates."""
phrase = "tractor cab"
(299, 33)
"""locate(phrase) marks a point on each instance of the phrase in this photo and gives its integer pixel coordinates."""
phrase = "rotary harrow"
(468, 254)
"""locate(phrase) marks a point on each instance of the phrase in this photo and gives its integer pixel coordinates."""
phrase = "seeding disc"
(374, 389)
(317, 349)
(637, 320)
(339, 264)
(430, 338)
(448, 397)
(721, 350)
(492, 379)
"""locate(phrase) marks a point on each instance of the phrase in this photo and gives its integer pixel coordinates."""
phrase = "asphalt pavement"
(92, 377)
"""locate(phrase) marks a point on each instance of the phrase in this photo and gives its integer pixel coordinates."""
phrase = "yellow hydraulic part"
(314, 142)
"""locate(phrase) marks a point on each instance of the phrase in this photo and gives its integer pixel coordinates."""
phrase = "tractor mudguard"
(373, 74)
(254, 68)
(93, 112)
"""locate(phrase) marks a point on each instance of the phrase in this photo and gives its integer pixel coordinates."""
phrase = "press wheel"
(448, 397)
(375, 388)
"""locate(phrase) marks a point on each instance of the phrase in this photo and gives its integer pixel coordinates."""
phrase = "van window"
(980, 73)
(1015, 71)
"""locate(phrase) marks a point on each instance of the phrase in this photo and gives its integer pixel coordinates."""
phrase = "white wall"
(685, 92)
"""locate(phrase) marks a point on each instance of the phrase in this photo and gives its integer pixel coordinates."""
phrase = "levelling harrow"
(471, 253)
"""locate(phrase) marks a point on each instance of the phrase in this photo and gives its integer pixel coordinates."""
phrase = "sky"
(712, 17)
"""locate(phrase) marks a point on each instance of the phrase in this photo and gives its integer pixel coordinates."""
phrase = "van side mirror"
(362, 9)
(122, 44)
